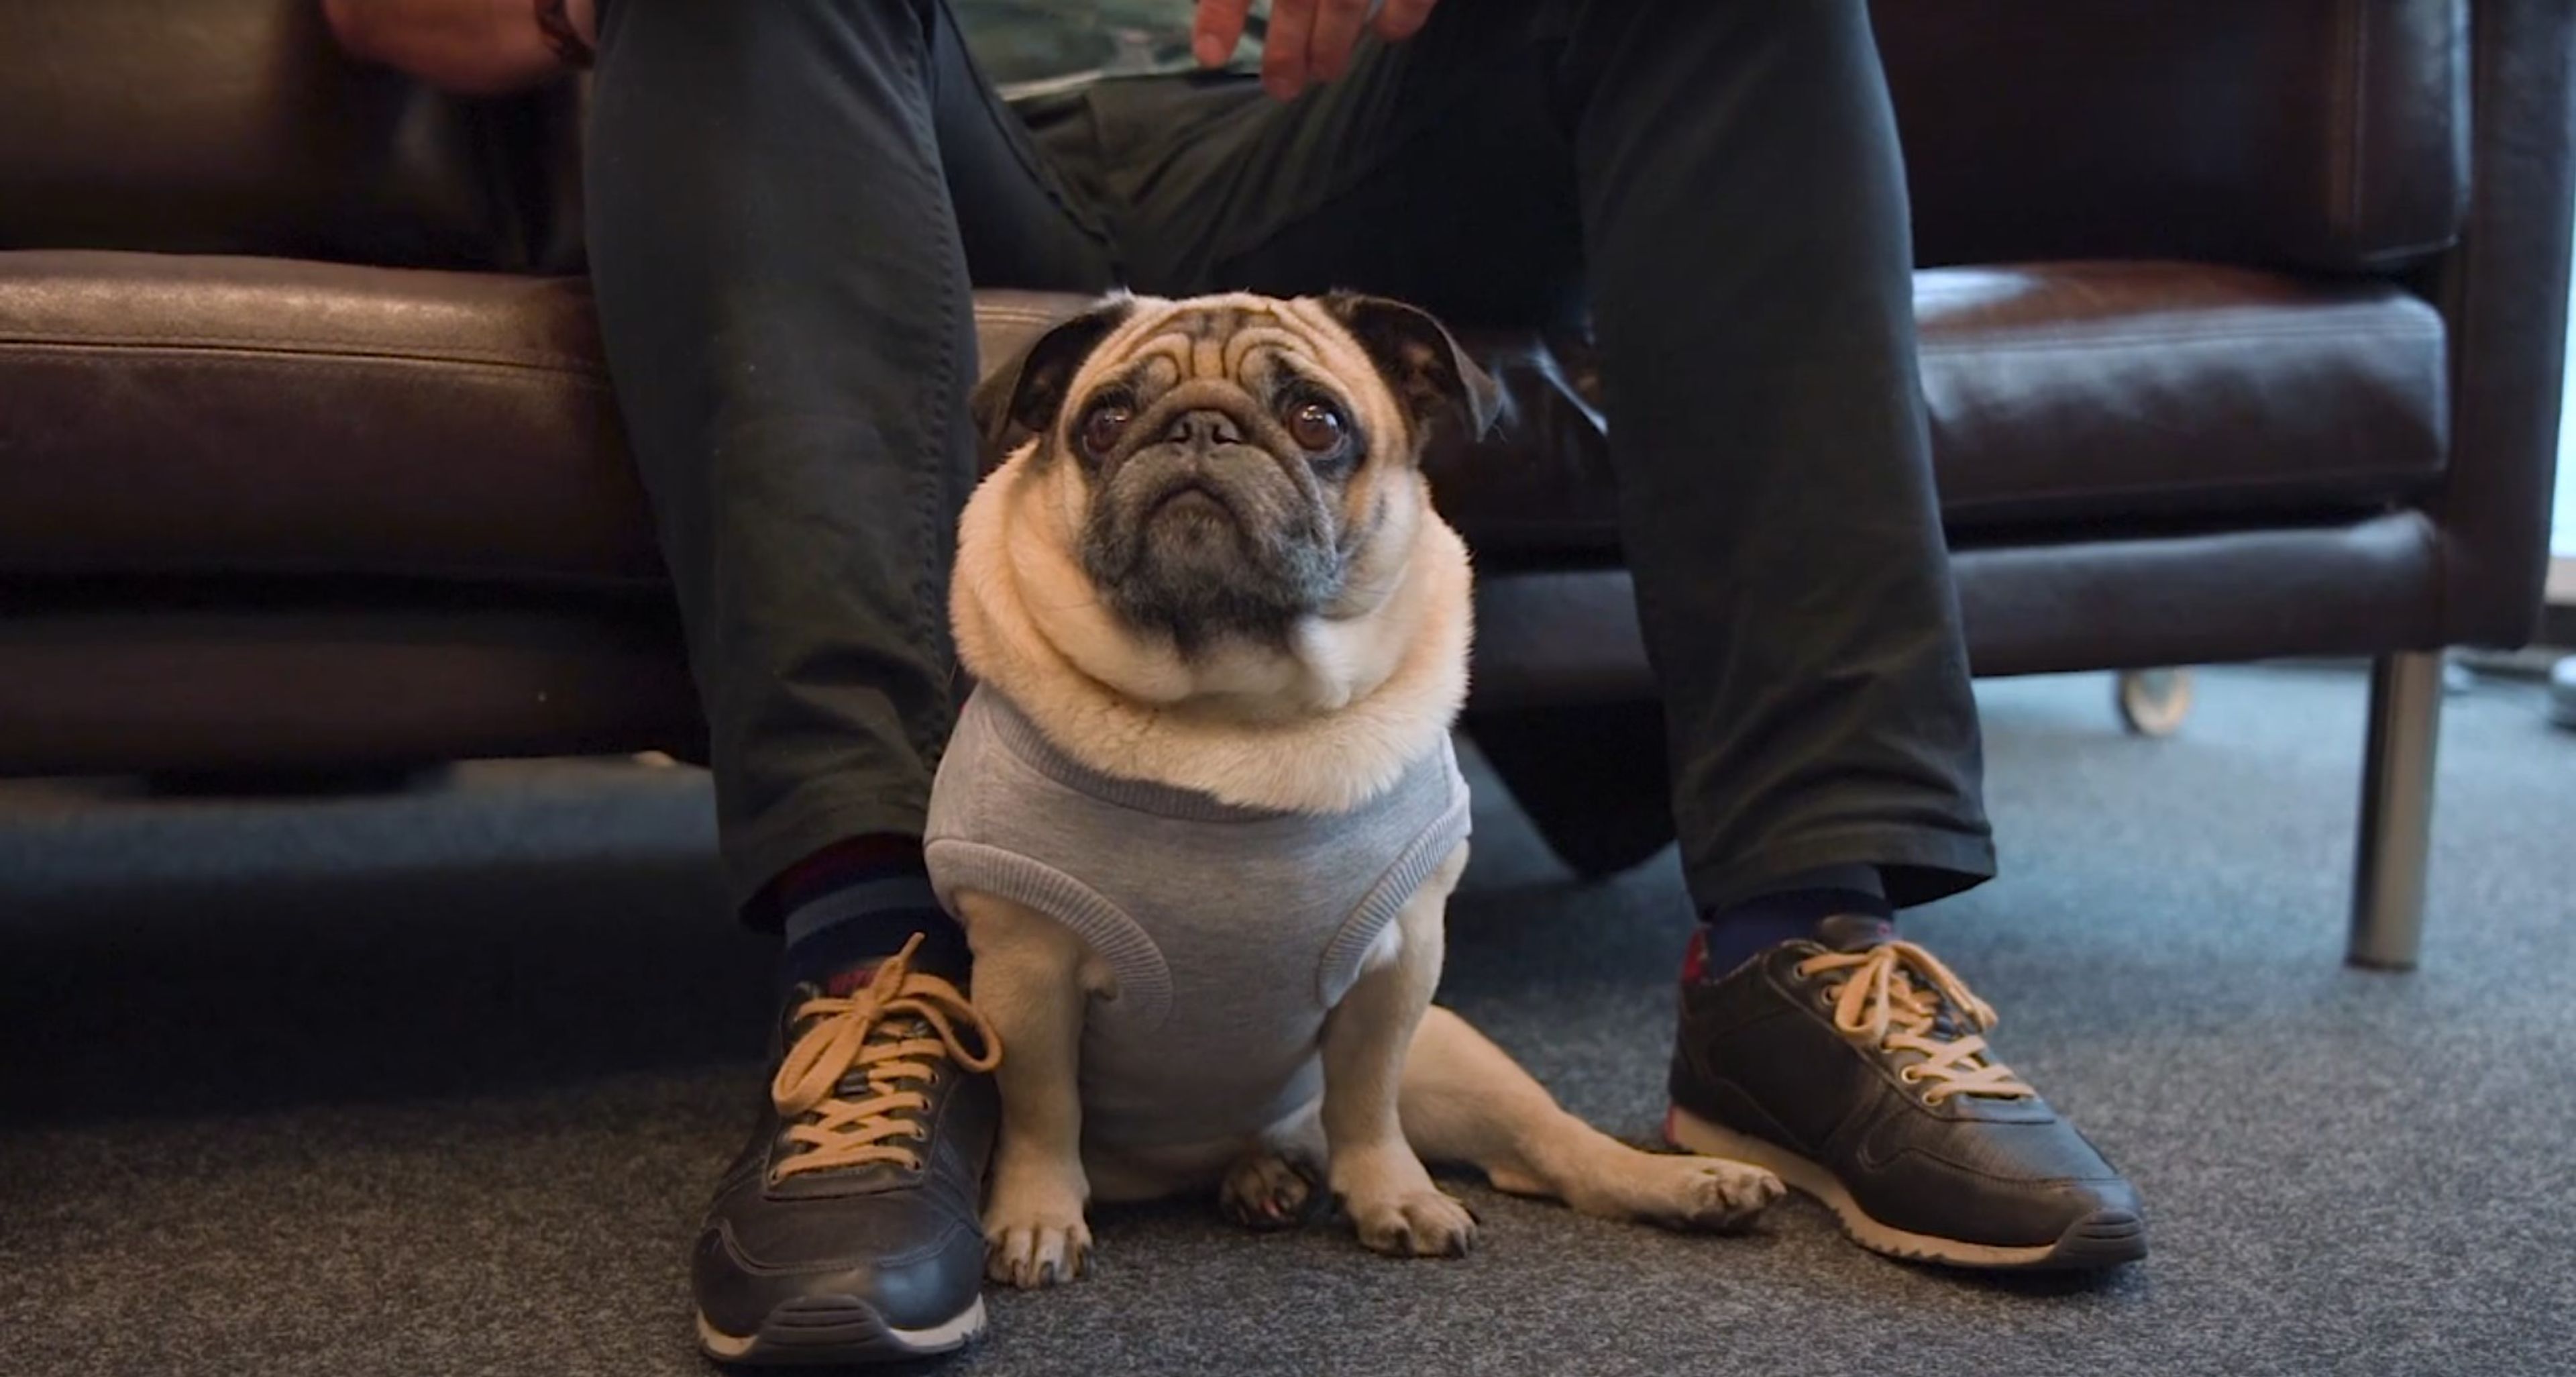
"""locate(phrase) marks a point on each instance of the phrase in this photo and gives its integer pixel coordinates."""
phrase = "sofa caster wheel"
(2153, 702)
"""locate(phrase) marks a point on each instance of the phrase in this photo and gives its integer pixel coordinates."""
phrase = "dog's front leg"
(1029, 985)
(1374, 1171)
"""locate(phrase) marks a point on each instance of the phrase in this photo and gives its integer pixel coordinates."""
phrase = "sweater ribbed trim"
(1340, 967)
(1144, 980)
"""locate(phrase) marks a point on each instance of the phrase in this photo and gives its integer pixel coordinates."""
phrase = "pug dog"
(1200, 817)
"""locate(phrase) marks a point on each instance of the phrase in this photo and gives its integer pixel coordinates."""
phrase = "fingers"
(1402, 19)
(1219, 30)
(1337, 31)
(1309, 40)
(1285, 68)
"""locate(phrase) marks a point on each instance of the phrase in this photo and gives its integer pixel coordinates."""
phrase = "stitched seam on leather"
(284, 361)
(586, 377)
(2028, 344)
(2251, 487)
(368, 349)
(2350, 231)
(355, 348)
(2342, 102)
(513, 573)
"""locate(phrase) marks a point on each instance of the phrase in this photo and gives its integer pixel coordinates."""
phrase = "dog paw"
(1266, 1192)
(1397, 1210)
(1679, 1191)
(1036, 1252)
(1420, 1223)
(1709, 1192)
(1034, 1234)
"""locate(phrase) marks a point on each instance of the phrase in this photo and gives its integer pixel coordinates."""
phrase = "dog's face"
(1237, 459)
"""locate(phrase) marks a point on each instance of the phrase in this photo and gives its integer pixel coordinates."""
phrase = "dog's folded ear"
(1421, 360)
(1027, 391)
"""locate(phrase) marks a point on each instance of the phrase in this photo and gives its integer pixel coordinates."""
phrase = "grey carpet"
(432, 1083)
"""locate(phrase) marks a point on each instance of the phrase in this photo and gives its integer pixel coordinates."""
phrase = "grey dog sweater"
(1231, 930)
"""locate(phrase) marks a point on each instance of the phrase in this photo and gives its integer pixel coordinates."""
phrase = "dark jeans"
(790, 198)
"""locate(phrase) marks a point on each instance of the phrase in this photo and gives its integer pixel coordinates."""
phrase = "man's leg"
(785, 200)
(1722, 180)
(783, 280)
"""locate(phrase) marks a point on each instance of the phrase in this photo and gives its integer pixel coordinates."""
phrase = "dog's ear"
(1028, 390)
(1421, 361)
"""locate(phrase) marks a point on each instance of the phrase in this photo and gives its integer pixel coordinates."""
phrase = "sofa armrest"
(2504, 294)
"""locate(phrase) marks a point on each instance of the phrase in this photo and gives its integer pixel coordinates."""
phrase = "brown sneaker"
(847, 1230)
(1862, 1076)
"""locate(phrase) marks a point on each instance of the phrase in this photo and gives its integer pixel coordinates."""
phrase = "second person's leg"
(1722, 180)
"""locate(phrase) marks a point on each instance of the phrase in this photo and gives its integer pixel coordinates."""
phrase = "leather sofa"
(2242, 328)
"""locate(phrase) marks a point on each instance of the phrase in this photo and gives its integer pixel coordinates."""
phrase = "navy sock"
(857, 902)
(1733, 934)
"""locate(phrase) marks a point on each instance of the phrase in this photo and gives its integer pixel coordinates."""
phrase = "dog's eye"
(1102, 425)
(1316, 426)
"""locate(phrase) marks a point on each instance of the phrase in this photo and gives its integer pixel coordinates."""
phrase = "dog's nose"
(1202, 429)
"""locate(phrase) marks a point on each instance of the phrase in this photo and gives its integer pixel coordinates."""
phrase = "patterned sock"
(856, 902)
(1797, 909)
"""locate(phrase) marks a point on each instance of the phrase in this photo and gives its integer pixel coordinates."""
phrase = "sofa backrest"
(2330, 135)
(235, 126)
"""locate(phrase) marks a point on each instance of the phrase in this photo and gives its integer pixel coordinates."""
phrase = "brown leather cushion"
(288, 687)
(173, 414)
(2097, 392)
(2327, 134)
(206, 415)
(236, 126)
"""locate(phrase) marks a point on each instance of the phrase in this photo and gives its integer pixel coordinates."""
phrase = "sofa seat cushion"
(2096, 392)
(175, 414)
(183, 415)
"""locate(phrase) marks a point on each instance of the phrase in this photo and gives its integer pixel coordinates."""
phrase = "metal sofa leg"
(2396, 810)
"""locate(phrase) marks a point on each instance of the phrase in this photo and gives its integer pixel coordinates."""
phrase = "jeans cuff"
(812, 818)
(1916, 865)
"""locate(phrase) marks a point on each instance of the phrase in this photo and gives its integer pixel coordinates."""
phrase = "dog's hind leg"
(1280, 1181)
(1465, 1100)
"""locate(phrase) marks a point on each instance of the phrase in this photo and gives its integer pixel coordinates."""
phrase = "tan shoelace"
(1878, 999)
(872, 1030)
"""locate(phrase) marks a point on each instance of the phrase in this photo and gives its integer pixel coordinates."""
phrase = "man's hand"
(477, 47)
(1310, 41)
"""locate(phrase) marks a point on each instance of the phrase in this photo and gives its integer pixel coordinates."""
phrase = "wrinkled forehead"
(1248, 340)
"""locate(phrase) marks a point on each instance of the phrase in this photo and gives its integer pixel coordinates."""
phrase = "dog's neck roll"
(1322, 722)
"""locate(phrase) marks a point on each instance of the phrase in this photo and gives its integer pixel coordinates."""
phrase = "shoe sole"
(2104, 1238)
(837, 1331)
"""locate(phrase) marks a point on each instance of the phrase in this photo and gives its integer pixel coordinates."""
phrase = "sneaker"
(1857, 1069)
(847, 1231)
